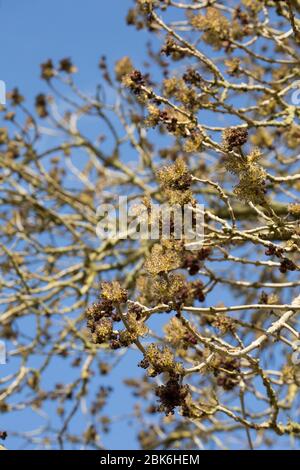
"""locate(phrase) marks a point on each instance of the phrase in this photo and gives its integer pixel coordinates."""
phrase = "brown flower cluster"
(135, 81)
(234, 137)
(123, 67)
(113, 292)
(192, 261)
(178, 335)
(164, 257)
(176, 180)
(175, 176)
(251, 186)
(41, 105)
(226, 370)
(215, 26)
(286, 264)
(48, 70)
(102, 315)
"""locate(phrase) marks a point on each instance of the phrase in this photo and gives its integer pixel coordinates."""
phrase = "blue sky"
(33, 31)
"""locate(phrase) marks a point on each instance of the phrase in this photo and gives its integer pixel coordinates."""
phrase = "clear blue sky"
(31, 32)
(34, 30)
